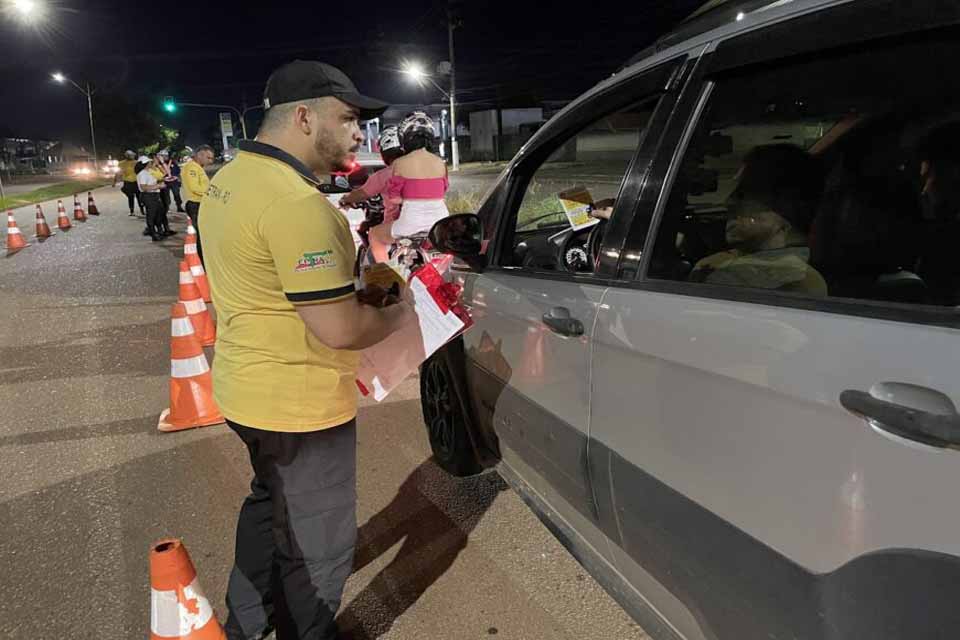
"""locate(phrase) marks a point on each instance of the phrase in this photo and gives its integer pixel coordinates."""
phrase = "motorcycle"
(405, 256)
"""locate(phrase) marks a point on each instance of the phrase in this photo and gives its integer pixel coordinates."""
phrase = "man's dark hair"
(392, 154)
(785, 178)
(418, 140)
(204, 147)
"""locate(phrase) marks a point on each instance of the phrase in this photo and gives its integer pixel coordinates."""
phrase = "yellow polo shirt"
(127, 170)
(195, 181)
(271, 241)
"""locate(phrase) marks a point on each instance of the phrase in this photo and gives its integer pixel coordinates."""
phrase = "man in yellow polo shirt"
(280, 258)
(128, 173)
(195, 183)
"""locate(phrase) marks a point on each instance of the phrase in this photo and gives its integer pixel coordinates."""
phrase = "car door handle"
(559, 321)
(932, 429)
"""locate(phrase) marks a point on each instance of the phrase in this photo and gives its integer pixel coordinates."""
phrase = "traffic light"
(169, 105)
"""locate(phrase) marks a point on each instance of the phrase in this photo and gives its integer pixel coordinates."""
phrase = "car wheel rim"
(440, 409)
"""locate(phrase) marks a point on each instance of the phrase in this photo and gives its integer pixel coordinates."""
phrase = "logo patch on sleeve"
(316, 260)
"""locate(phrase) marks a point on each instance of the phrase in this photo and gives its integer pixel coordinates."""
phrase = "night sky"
(510, 53)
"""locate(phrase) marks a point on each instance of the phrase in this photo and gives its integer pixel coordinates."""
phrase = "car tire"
(445, 419)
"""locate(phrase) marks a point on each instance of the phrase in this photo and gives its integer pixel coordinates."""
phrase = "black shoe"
(169, 232)
(155, 237)
(147, 232)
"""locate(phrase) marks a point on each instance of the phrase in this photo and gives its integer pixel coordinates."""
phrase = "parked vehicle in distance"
(82, 169)
(722, 366)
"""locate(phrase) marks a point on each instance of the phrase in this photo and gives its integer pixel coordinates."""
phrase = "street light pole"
(454, 149)
(87, 91)
(93, 136)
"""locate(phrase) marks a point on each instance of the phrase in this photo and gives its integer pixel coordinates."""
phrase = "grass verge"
(51, 192)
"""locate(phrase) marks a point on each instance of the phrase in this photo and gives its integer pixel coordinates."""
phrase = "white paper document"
(386, 364)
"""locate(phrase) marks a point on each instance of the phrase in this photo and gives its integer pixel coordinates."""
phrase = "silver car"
(716, 342)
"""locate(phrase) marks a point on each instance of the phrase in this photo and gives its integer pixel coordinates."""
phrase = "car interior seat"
(863, 235)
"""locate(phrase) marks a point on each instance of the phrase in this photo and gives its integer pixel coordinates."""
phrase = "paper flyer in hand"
(441, 317)
(576, 203)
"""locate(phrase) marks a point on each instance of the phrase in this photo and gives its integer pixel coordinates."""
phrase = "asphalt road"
(89, 483)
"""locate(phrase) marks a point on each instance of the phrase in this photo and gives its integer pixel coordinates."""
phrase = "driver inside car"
(769, 215)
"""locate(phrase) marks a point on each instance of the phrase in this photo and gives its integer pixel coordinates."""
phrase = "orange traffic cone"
(196, 268)
(15, 240)
(191, 387)
(196, 309)
(62, 220)
(191, 237)
(91, 205)
(78, 212)
(43, 229)
(179, 610)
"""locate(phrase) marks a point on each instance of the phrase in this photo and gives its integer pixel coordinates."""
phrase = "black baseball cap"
(308, 79)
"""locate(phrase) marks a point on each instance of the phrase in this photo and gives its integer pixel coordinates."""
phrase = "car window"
(566, 197)
(828, 177)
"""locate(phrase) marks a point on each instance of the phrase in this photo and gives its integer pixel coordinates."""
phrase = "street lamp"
(88, 91)
(415, 72)
(27, 11)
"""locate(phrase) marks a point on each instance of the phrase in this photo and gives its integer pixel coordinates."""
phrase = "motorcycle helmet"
(390, 138)
(390, 147)
(417, 131)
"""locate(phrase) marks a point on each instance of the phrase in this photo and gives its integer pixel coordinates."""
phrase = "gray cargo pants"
(296, 534)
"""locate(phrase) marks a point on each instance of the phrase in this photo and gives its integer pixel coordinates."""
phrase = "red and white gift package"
(441, 317)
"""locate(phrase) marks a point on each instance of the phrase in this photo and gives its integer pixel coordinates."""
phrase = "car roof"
(711, 15)
(716, 20)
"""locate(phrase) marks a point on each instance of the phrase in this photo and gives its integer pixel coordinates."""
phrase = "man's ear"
(304, 118)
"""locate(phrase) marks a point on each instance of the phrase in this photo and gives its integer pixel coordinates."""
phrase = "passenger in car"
(940, 204)
(768, 220)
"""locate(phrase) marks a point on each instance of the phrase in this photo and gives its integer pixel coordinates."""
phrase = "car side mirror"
(461, 236)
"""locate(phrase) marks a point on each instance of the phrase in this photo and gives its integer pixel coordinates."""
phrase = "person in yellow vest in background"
(195, 182)
(128, 174)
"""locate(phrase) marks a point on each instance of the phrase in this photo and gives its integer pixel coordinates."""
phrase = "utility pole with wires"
(453, 21)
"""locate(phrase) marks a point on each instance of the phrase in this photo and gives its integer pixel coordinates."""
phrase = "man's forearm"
(350, 325)
(376, 324)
